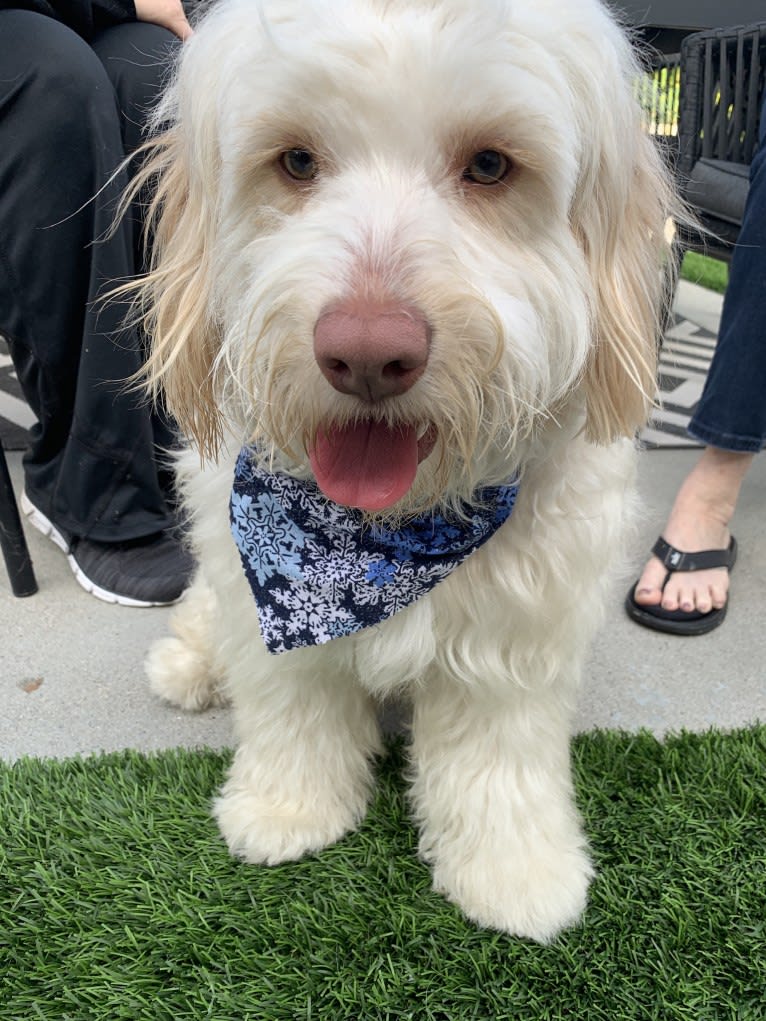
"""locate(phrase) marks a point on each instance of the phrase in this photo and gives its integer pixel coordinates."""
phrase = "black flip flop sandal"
(682, 622)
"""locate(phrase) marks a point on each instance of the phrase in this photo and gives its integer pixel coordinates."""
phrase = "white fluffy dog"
(407, 254)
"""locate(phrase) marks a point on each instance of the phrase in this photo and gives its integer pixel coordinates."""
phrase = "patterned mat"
(684, 361)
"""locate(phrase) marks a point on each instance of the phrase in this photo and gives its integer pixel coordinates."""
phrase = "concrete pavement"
(71, 666)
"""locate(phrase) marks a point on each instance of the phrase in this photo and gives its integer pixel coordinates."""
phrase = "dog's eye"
(487, 167)
(299, 164)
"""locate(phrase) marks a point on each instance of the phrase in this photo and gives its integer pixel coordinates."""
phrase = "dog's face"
(395, 239)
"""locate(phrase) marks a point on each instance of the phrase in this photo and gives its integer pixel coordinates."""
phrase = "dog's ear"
(184, 338)
(174, 300)
(623, 203)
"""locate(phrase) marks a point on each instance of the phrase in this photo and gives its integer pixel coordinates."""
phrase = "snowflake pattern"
(318, 573)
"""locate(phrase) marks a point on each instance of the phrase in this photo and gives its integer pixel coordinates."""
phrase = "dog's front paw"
(264, 834)
(180, 673)
(532, 895)
(182, 668)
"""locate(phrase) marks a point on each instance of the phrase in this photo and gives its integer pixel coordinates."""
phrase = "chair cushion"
(718, 188)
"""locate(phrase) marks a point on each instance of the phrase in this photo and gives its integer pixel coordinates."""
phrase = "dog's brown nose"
(372, 351)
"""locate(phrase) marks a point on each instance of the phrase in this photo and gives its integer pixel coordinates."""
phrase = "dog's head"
(395, 240)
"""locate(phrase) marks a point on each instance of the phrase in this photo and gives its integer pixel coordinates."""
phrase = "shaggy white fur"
(477, 173)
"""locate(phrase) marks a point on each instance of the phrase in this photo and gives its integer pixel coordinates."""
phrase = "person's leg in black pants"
(68, 115)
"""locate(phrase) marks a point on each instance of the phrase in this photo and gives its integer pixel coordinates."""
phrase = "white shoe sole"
(42, 524)
(39, 521)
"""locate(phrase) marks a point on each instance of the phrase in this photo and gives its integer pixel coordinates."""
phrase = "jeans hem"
(725, 441)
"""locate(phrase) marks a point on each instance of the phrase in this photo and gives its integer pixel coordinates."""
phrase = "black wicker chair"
(12, 541)
(721, 91)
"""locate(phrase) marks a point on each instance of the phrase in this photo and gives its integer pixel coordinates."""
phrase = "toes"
(673, 599)
(703, 602)
(648, 589)
(682, 596)
(703, 592)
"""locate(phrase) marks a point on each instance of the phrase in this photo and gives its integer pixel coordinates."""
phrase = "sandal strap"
(675, 560)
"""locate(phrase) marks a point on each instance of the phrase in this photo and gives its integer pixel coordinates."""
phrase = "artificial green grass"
(710, 273)
(119, 901)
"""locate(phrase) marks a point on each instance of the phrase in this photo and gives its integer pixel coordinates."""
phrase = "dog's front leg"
(493, 795)
(301, 776)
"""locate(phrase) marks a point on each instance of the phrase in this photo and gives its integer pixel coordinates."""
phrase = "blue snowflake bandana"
(318, 572)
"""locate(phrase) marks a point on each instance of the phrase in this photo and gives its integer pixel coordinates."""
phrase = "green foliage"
(658, 93)
(710, 273)
(119, 901)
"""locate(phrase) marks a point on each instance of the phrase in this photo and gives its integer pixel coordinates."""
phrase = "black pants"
(69, 113)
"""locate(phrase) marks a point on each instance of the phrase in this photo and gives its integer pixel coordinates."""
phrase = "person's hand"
(167, 13)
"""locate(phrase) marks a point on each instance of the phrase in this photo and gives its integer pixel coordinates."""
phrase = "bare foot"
(698, 521)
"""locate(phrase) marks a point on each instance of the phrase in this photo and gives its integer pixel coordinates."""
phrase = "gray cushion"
(719, 188)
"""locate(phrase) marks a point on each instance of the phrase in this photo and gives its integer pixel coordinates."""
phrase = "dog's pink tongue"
(368, 465)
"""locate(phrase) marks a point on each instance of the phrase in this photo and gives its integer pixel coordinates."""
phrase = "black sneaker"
(151, 571)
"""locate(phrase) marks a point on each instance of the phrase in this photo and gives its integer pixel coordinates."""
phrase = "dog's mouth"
(367, 464)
